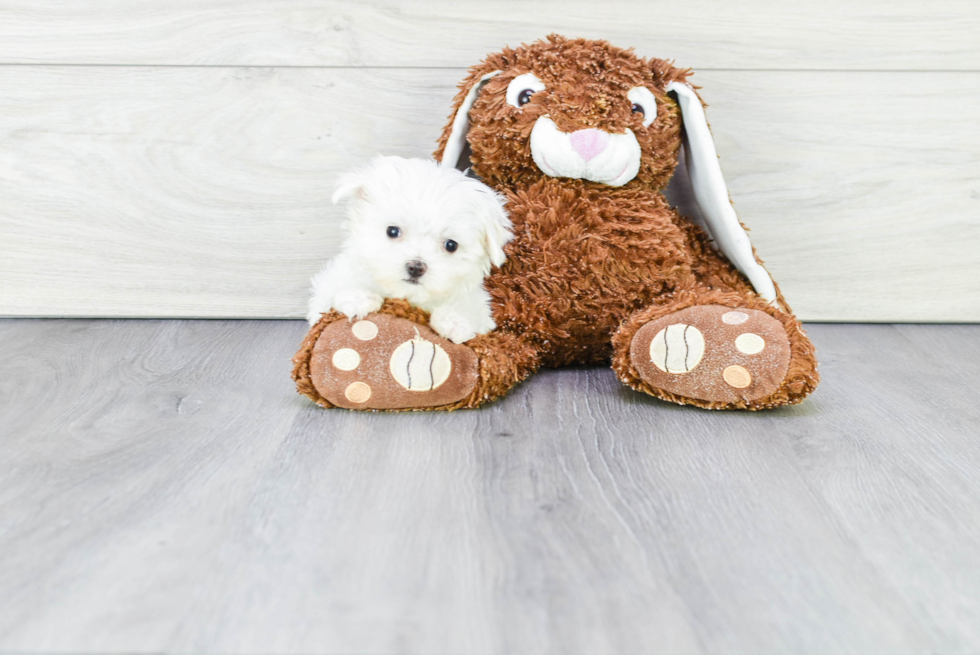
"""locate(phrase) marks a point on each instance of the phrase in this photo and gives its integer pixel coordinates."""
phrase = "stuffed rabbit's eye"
(521, 88)
(450, 245)
(644, 103)
(394, 232)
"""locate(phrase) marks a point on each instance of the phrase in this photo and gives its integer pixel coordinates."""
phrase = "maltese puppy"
(419, 231)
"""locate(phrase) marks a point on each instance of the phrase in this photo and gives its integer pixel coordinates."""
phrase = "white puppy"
(418, 231)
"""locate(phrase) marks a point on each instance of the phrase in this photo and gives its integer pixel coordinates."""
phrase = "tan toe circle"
(750, 343)
(357, 392)
(737, 377)
(364, 330)
(734, 318)
(346, 359)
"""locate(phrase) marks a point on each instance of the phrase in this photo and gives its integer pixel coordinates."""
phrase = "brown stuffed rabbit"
(582, 137)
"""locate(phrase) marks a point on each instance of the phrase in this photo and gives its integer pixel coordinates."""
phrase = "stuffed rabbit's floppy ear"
(456, 141)
(711, 192)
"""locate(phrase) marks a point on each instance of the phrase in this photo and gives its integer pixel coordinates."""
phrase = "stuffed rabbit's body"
(582, 137)
(584, 259)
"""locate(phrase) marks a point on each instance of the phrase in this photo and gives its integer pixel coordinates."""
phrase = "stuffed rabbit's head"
(568, 108)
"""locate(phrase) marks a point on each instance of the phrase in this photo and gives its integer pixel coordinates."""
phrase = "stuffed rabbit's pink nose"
(589, 143)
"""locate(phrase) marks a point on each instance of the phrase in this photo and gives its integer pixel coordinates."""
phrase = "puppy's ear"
(351, 186)
(711, 192)
(496, 225)
(453, 140)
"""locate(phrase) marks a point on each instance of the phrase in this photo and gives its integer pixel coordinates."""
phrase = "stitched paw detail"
(384, 362)
(677, 348)
(420, 365)
(714, 353)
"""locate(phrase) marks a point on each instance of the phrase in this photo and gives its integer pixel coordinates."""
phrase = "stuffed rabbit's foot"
(712, 353)
(386, 362)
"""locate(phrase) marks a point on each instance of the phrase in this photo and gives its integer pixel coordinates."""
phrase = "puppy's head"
(421, 229)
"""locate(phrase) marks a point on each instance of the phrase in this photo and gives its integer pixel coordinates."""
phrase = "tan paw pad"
(713, 353)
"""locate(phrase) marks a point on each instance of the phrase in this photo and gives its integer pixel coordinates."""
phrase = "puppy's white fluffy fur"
(429, 205)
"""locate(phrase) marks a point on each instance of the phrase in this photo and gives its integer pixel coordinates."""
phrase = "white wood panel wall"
(175, 158)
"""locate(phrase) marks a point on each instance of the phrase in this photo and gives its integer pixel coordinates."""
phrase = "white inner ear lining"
(711, 192)
(461, 123)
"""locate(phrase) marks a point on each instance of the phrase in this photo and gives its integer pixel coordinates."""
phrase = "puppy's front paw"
(317, 307)
(356, 303)
(452, 325)
(313, 316)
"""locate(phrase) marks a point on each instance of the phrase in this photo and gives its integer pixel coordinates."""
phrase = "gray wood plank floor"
(163, 489)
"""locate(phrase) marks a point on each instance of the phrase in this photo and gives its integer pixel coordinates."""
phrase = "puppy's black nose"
(415, 268)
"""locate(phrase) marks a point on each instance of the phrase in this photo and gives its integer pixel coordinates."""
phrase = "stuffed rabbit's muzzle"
(589, 154)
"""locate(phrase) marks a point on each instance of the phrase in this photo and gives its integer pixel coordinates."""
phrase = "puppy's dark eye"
(394, 232)
(451, 245)
(637, 109)
(524, 97)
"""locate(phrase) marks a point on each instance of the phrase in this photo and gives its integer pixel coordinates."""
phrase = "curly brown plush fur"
(591, 264)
